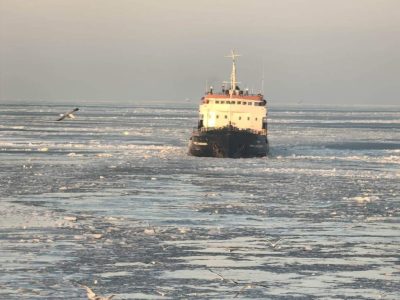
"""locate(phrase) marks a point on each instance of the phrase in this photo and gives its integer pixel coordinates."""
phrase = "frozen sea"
(111, 200)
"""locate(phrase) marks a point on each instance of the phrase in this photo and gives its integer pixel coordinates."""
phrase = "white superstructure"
(233, 107)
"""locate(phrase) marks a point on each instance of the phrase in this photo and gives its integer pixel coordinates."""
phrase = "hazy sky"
(314, 51)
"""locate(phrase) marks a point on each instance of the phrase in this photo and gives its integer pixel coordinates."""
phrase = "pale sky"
(314, 51)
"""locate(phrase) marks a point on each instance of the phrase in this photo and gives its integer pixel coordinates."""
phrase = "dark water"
(112, 201)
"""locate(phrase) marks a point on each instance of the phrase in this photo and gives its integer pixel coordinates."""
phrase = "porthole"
(240, 118)
(226, 117)
(248, 118)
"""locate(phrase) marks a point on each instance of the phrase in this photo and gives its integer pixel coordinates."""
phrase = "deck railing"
(228, 128)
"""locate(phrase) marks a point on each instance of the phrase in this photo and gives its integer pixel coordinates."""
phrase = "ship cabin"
(233, 107)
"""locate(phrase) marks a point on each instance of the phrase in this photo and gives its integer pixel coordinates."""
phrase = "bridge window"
(239, 102)
(244, 103)
(232, 102)
(222, 102)
(228, 102)
(249, 103)
(216, 101)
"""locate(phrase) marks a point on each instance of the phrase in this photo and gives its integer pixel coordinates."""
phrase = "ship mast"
(233, 74)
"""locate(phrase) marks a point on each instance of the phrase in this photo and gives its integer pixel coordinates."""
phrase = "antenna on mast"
(233, 74)
(262, 79)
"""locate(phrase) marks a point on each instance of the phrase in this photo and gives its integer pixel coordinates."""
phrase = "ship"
(232, 123)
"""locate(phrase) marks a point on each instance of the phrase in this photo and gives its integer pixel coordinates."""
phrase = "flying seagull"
(92, 296)
(69, 115)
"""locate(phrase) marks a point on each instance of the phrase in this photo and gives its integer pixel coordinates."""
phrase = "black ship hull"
(228, 142)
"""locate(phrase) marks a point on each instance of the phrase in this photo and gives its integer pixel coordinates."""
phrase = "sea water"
(111, 200)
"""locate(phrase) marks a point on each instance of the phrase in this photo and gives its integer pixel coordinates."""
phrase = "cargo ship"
(232, 123)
